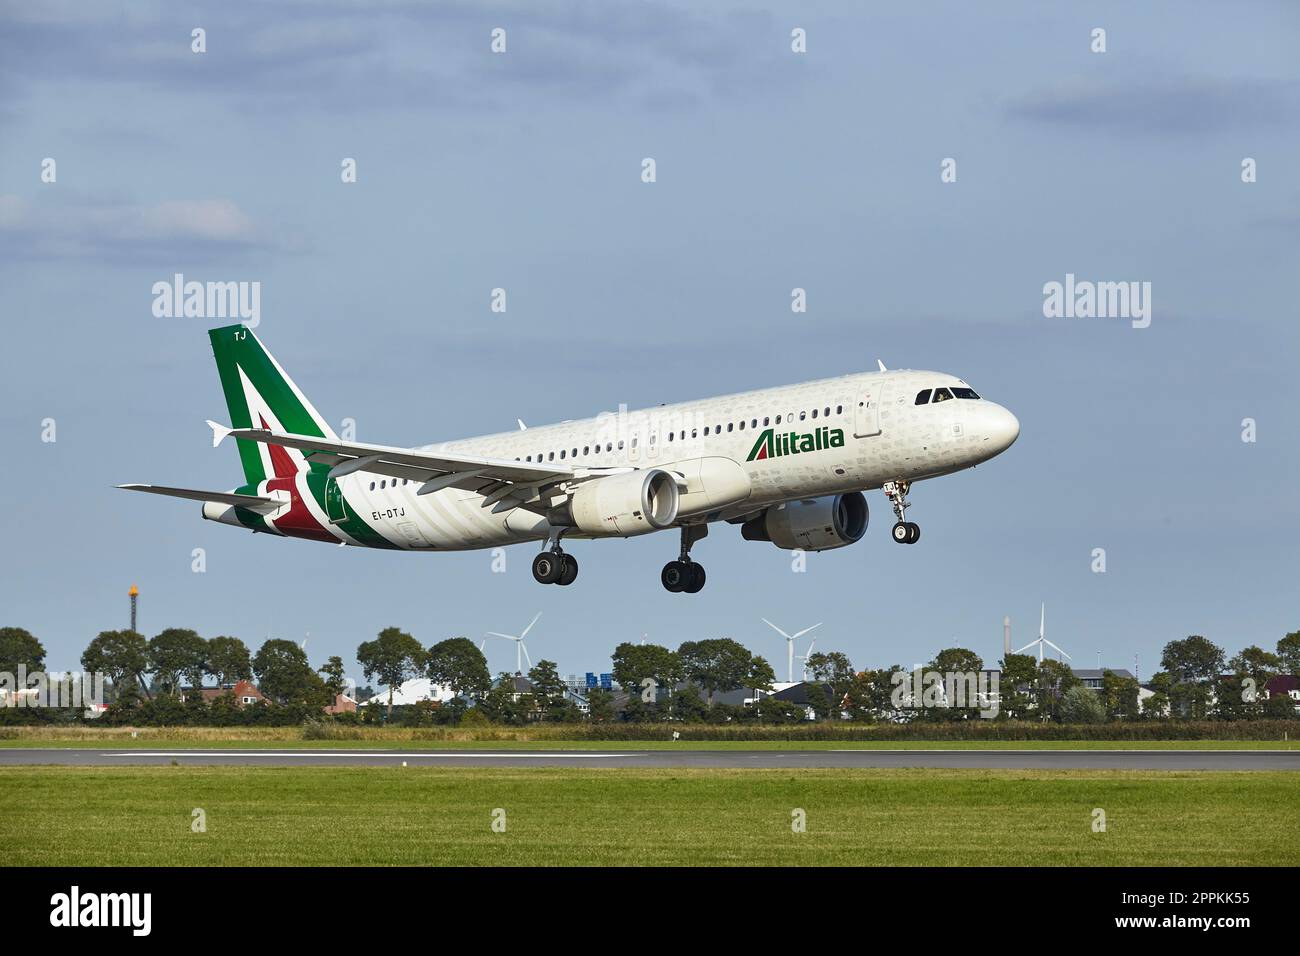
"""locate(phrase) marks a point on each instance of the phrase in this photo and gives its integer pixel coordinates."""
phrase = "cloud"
(118, 229)
(344, 56)
(1179, 106)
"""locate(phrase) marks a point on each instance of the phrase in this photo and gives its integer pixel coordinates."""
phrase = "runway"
(669, 759)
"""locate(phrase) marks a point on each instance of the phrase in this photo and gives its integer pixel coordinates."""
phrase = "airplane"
(788, 465)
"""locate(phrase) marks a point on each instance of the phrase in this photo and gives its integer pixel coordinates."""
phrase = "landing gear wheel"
(913, 532)
(697, 578)
(675, 576)
(570, 571)
(548, 566)
(903, 532)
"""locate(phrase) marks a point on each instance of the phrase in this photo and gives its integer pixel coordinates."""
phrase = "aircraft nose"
(1003, 428)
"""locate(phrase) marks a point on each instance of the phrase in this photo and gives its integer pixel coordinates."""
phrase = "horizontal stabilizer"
(262, 506)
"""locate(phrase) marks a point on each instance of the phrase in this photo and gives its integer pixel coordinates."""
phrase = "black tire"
(547, 567)
(902, 532)
(570, 571)
(697, 579)
(913, 532)
(675, 576)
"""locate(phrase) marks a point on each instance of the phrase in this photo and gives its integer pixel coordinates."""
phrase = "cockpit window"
(922, 397)
(964, 392)
(942, 395)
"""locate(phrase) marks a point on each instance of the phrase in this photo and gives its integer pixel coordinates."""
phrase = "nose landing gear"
(904, 531)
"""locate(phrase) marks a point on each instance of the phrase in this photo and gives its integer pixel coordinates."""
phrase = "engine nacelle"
(635, 502)
(811, 524)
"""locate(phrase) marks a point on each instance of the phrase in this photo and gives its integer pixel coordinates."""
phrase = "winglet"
(219, 432)
(882, 365)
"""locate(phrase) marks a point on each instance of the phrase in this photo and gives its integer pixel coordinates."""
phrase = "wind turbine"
(804, 657)
(789, 646)
(521, 652)
(1042, 640)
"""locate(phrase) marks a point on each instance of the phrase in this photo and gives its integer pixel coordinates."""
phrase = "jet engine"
(634, 502)
(811, 524)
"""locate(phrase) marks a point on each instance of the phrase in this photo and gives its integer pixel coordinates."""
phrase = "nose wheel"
(684, 575)
(904, 531)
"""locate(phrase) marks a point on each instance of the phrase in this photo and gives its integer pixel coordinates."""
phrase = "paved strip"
(630, 757)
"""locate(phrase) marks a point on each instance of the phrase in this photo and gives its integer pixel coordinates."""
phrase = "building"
(1094, 678)
(343, 704)
(1284, 685)
(245, 693)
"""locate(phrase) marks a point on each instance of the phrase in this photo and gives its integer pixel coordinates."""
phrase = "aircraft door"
(334, 508)
(866, 410)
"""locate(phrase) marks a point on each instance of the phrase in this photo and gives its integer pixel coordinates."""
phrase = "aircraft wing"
(251, 502)
(437, 469)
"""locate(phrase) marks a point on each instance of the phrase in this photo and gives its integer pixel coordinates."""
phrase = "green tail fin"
(259, 393)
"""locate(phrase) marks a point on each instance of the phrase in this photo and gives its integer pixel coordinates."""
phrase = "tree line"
(1197, 681)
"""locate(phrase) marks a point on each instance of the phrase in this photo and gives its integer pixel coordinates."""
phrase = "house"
(1284, 685)
(245, 693)
(413, 692)
(343, 704)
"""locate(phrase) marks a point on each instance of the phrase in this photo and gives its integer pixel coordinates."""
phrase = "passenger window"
(372, 486)
(826, 413)
(742, 425)
(706, 431)
(586, 450)
(550, 456)
(729, 425)
(754, 423)
(609, 446)
(670, 436)
(802, 416)
(941, 395)
(694, 433)
(923, 396)
(561, 454)
(778, 419)
(839, 409)
(814, 415)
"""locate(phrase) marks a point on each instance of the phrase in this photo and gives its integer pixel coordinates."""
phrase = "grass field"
(350, 816)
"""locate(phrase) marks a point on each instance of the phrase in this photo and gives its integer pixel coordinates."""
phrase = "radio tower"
(135, 595)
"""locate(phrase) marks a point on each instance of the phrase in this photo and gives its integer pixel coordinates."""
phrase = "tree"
(229, 661)
(1288, 652)
(500, 703)
(458, 664)
(1016, 685)
(1079, 705)
(18, 648)
(1193, 663)
(834, 675)
(121, 655)
(716, 664)
(1055, 680)
(336, 682)
(871, 695)
(600, 705)
(285, 676)
(548, 689)
(761, 675)
(394, 657)
(1119, 696)
(1257, 664)
(634, 663)
(175, 653)
(956, 660)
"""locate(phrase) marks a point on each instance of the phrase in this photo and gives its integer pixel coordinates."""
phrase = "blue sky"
(775, 170)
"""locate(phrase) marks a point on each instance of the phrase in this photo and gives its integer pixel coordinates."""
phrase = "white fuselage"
(885, 437)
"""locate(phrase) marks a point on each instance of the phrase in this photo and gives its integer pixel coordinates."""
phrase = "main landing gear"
(554, 566)
(904, 532)
(684, 575)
